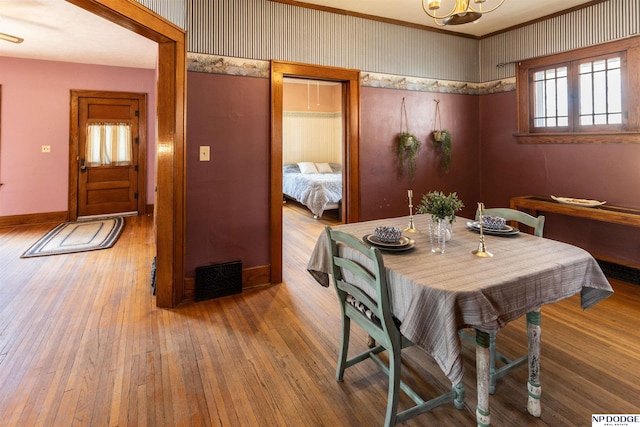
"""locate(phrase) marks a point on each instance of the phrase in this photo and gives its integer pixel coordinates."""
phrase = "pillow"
(307, 167)
(337, 167)
(324, 168)
(290, 169)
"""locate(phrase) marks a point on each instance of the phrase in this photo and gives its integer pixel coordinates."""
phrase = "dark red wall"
(383, 192)
(608, 172)
(228, 197)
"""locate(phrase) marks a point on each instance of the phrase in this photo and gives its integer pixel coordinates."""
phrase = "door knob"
(83, 167)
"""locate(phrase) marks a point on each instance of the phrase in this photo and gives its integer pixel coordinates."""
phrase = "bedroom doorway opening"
(313, 145)
(348, 83)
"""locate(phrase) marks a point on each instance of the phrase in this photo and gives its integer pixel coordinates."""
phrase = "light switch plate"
(205, 155)
(46, 148)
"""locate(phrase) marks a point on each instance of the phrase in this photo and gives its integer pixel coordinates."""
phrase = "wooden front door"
(107, 183)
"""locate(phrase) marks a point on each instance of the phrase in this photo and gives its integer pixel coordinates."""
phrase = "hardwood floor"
(83, 344)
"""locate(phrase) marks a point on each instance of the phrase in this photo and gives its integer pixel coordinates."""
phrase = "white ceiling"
(59, 31)
(512, 12)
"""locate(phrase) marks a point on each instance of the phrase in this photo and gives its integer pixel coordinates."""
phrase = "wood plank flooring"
(83, 344)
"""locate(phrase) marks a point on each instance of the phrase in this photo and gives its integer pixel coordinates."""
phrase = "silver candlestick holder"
(411, 228)
(482, 248)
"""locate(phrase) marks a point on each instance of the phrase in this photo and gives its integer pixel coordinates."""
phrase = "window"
(108, 144)
(600, 92)
(550, 98)
(580, 96)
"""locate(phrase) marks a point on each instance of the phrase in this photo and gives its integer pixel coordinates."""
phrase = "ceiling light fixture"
(460, 13)
(10, 38)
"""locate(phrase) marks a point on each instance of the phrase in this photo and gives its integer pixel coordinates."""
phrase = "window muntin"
(550, 98)
(600, 92)
(580, 95)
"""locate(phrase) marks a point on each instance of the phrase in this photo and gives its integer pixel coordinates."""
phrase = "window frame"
(628, 131)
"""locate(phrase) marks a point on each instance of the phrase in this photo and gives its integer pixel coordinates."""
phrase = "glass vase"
(438, 234)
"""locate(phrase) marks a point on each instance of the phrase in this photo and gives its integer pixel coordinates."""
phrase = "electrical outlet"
(205, 153)
(46, 148)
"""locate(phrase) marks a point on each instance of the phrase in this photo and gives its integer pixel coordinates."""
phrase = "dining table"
(436, 295)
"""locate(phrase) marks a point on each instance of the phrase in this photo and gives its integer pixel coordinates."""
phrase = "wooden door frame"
(170, 139)
(350, 80)
(74, 140)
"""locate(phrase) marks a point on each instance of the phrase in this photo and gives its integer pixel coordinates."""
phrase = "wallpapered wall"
(244, 29)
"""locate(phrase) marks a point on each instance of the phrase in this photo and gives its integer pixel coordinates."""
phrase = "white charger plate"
(578, 202)
(404, 244)
(504, 231)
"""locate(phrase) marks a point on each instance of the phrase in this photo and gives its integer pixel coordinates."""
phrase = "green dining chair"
(373, 314)
(537, 224)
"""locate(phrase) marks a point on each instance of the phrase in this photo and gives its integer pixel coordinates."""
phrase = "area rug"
(80, 236)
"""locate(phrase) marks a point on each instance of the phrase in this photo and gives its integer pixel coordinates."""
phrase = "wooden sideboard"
(605, 213)
(616, 267)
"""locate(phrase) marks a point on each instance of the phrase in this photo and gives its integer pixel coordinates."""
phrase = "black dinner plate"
(504, 231)
(404, 244)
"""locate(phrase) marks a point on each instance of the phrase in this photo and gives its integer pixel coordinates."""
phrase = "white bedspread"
(315, 190)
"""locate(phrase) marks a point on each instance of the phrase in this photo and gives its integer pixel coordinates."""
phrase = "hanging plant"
(407, 146)
(442, 140)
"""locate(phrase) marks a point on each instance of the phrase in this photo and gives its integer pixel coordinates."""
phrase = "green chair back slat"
(537, 223)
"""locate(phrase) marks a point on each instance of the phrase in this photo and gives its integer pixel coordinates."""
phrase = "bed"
(318, 186)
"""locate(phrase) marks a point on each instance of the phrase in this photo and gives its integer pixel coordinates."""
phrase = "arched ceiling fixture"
(10, 38)
(460, 11)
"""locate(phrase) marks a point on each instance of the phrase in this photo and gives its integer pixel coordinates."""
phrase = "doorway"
(169, 215)
(313, 140)
(107, 153)
(350, 83)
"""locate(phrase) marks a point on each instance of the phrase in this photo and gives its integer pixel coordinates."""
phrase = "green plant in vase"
(442, 210)
(439, 206)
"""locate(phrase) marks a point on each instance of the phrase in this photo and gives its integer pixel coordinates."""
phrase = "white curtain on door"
(108, 144)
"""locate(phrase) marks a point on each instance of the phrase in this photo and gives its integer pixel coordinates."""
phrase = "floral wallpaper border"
(202, 63)
(312, 114)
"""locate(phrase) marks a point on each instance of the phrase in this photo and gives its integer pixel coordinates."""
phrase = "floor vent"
(153, 276)
(218, 280)
(620, 272)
